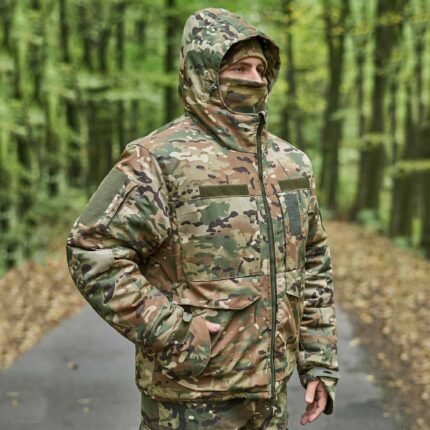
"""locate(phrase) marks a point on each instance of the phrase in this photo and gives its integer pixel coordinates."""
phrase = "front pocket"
(295, 205)
(239, 351)
(219, 237)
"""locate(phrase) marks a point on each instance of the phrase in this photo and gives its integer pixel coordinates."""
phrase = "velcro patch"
(294, 183)
(293, 209)
(102, 198)
(223, 190)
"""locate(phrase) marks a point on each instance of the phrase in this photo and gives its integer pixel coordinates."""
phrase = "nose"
(255, 75)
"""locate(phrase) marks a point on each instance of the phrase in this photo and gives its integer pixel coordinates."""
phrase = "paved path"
(81, 376)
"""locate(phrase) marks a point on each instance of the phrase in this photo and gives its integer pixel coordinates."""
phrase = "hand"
(316, 398)
(212, 327)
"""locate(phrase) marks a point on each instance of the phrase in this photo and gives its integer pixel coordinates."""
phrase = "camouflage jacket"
(211, 217)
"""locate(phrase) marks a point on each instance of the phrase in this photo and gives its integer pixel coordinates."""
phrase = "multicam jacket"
(211, 217)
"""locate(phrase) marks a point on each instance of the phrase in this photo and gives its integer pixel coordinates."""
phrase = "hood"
(208, 35)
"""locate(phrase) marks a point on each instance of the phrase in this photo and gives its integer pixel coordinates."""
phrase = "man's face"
(248, 68)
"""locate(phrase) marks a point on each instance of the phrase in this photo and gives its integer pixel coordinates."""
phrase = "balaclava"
(242, 95)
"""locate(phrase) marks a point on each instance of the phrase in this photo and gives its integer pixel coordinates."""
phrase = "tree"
(171, 36)
(291, 107)
(335, 30)
(388, 32)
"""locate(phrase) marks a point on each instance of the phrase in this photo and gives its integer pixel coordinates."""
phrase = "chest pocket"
(219, 233)
(294, 200)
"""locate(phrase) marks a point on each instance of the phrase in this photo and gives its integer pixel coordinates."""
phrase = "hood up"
(208, 35)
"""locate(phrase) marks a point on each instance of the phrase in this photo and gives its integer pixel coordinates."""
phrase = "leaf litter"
(382, 288)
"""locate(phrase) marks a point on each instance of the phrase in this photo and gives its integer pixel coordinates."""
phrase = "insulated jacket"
(211, 217)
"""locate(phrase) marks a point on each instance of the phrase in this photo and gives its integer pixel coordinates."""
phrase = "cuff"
(328, 377)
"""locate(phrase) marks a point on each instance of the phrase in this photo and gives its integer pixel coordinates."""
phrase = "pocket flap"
(231, 293)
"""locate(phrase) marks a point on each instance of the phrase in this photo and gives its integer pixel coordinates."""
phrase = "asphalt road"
(81, 376)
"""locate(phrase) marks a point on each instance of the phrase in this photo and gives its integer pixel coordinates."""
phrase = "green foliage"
(371, 220)
(54, 131)
(410, 167)
(44, 228)
(51, 219)
(402, 242)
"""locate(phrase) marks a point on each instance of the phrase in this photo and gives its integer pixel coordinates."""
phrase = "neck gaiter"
(243, 96)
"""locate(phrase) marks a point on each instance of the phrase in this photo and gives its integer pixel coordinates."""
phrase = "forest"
(80, 79)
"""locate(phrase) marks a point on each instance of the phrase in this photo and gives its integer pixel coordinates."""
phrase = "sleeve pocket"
(105, 202)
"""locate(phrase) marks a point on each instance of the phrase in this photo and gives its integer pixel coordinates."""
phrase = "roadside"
(35, 298)
(381, 288)
(384, 290)
(81, 376)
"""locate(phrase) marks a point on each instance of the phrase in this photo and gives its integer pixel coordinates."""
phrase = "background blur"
(79, 79)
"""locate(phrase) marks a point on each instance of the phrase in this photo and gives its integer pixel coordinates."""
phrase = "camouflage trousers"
(232, 414)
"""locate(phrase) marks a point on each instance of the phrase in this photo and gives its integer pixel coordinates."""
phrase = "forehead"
(251, 61)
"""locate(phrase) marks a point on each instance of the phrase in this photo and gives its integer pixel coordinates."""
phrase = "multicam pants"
(243, 414)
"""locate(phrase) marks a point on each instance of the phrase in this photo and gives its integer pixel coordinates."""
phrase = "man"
(204, 246)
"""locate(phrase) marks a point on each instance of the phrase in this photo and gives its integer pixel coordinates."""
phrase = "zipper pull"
(212, 87)
(263, 116)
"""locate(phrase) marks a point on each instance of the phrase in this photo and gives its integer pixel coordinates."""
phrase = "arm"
(318, 337)
(126, 220)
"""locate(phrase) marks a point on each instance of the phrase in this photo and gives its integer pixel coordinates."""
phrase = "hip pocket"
(239, 350)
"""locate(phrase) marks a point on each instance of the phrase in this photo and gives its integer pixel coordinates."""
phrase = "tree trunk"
(360, 44)
(74, 162)
(140, 31)
(420, 45)
(425, 218)
(290, 112)
(121, 125)
(402, 209)
(25, 194)
(103, 49)
(171, 35)
(100, 130)
(52, 153)
(392, 109)
(6, 15)
(5, 198)
(424, 148)
(403, 191)
(120, 35)
(64, 32)
(120, 63)
(17, 84)
(332, 129)
(134, 130)
(373, 151)
(74, 170)
(36, 55)
(421, 147)
(84, 28)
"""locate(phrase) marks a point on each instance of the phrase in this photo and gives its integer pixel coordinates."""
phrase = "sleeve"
(125, 221)
(318, 333)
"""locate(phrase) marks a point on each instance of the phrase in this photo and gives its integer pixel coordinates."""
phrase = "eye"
(261, 71)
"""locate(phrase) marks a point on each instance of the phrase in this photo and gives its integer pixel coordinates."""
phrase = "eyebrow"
(245, 63)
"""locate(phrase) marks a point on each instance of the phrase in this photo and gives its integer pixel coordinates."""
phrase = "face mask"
(243, 96)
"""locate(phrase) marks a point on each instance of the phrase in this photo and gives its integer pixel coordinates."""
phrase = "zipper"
(269, 223)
